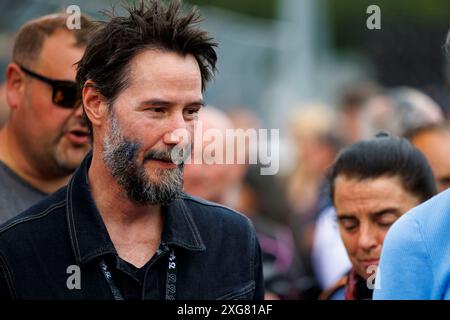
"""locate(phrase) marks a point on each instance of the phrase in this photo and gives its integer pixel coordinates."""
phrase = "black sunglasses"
(66, 94)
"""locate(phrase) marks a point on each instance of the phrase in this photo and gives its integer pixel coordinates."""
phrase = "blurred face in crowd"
(212, 182)
(207, 180)
(164, 96)
(366, 209)
(53, 137)
(435, 145)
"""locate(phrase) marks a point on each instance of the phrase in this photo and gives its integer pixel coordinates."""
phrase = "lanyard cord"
(112, 286)
(171, 279)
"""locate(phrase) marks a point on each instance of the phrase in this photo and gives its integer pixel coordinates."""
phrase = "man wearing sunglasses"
(45, 137)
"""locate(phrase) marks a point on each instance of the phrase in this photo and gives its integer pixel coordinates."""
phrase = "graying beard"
(120, 156)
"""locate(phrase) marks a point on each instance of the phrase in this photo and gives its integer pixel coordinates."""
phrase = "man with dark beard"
(123, 228)
(120, 155)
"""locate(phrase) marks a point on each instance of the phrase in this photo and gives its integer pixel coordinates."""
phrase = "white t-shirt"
(329, 257)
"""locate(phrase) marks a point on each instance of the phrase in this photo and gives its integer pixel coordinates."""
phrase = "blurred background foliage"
(257, 8)
(285, 52)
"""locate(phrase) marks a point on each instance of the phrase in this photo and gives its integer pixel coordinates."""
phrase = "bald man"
(434, 142)
(212, 181)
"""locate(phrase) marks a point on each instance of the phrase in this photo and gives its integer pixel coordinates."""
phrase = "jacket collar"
(89, 236)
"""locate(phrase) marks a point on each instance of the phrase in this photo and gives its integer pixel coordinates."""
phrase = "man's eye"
(192, 113)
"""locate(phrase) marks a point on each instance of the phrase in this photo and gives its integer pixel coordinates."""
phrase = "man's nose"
(177, 132)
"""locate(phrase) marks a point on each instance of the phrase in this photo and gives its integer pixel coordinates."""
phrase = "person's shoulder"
(213, 208)
(415, 253)
(336, 291)
(217, 214)
(430, 218)
(439, 206)
(35, 217)
(421, 233)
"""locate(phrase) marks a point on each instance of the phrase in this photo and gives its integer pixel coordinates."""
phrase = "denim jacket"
(55, 250)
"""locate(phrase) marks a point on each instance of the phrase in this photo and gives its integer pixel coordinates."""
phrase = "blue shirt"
(415, 261)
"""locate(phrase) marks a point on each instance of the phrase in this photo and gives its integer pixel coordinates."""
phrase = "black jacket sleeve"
(6, 288)
(259, 280)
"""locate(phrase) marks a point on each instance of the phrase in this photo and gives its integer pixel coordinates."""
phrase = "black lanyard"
(171, 279)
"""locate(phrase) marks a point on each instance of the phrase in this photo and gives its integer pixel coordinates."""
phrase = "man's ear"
(15, 85)
(95, 105)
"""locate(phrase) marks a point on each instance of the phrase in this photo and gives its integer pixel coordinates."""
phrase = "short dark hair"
(149, 25)
(31, 36)
(386, 156)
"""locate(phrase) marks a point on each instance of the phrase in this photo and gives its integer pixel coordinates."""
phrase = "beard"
(121, 157)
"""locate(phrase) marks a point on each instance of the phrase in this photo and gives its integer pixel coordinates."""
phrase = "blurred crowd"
(295, 216)
(293, 212)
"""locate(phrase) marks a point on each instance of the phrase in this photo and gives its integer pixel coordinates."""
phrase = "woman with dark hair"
(373, 183)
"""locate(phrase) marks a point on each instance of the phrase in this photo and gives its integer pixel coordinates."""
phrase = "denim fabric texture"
(217, 252)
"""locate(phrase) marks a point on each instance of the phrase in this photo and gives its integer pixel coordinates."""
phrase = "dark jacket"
(217, 253)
